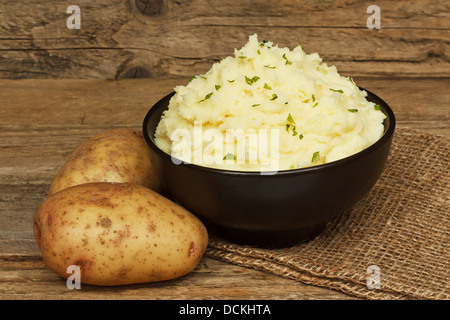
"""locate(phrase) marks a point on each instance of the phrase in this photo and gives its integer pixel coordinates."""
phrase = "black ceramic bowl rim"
(386, 136)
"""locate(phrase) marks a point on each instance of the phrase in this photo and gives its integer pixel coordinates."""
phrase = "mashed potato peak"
(268, 108)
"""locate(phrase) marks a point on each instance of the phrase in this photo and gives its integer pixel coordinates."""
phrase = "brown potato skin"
(118, 234)
(118, 155)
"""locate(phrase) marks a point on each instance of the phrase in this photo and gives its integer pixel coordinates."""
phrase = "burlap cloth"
(402, 227)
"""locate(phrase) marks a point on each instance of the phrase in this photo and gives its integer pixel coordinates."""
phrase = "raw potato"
(118, 234)
(118, 155)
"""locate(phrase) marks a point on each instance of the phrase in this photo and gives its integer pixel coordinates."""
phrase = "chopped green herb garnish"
(263, 43)
(351, 79)
(287, 61)
(229, 156)
(340, 91)
(270, 67)
(286, 102)
(352, 110)
(274, 96)
(230, 81)
(259, 52)
(287, 127)
(299, 44)
(300, 136)
(218, 86)
(377, 107)
(255, 105)
(290, 119)
(192, 78)
(266, 86)
(292, 125)
(313, 100)
(206, 97)
(315, 157)
(250, 81)
(242, 57)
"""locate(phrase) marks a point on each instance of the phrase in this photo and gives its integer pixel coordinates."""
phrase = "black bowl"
(278, 210)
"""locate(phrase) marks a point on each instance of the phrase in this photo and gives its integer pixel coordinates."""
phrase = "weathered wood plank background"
(169, 38)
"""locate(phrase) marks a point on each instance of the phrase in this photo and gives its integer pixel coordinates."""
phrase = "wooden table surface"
(43, 121)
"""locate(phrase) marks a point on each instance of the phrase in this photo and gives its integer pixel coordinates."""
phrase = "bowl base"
(267, 239)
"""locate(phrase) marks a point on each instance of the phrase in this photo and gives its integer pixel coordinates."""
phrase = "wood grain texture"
(43, 121)
(28, 278)
(168, 38)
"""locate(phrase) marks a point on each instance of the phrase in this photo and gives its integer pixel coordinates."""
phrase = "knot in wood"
(149, 7)
(136, 72)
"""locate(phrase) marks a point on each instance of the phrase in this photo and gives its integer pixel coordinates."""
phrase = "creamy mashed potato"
(268, 108)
